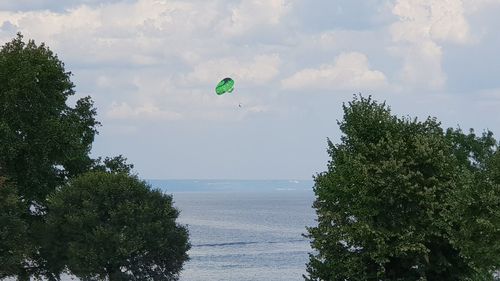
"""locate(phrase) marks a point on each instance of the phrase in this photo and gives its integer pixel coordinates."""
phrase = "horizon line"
(229, 179)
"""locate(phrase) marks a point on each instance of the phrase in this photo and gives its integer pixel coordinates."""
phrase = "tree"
(382, 205)
(117, 164)
(112, 225)
(474, 207)
(14, 242)
(43, 141)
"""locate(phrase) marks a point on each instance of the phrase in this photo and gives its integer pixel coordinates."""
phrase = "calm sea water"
(244, 230)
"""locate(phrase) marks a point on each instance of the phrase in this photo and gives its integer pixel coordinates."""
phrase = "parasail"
(226, 85)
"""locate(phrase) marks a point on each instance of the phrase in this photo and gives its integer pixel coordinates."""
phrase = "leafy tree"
(14, 241)
(43, 141)
(474, 207)
(117, 164)
(383, 203)
(112, 225)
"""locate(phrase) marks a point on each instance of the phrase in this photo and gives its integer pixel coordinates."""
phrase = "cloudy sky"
(151, 67)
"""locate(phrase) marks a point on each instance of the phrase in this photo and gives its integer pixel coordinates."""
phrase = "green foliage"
(404, 200)
(113, 225)
(43, 141)
(105, 223)
(117, 164)
(474, 207)
(14, 242)
(472, 152)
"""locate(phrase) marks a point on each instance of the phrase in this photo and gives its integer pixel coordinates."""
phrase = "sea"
(244, 230)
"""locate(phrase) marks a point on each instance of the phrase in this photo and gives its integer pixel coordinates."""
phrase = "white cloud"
(421, 26)
(145, 32)
(422, 67)
(259, 69)
(143, 112)
(255, 13)
(472, 6)
(442, 20)
(350, 71)
(46, 24)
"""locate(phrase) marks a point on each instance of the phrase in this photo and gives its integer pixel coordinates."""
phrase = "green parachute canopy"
(225, 86)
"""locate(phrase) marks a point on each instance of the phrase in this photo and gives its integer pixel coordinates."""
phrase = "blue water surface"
(244, 230)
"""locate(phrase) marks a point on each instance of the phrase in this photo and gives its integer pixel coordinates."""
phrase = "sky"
(151, 67)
